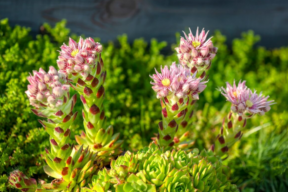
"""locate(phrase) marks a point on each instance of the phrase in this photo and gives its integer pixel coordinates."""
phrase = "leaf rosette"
(156, 167)
(177, 181)
(136, 183)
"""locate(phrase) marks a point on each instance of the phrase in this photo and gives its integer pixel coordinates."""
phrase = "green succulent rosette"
(136, 183)
(177, 181)
(179, 158)
(208, 174)
(155, 168)
(123, 166)
(100, 182)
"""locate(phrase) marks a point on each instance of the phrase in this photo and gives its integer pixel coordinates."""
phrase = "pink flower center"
(165, 82)
(195, 44)
(74, 53)
(249, 103)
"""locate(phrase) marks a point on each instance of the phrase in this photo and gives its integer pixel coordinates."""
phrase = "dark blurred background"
(158, 19)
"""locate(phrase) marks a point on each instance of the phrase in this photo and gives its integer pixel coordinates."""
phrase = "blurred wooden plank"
(155, 18)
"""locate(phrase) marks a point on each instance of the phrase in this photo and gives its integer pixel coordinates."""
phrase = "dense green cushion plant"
(133, 112)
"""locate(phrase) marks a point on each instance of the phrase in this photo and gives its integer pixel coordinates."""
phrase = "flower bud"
(89, 44)
(204, 51)
(86, 68)
(194, 53)
(40, 97)
(99, 48)
(72, 44)
(185, 87)
(84, 53)
(79, 59)
(52, 71)
(90, 60)
(58, 92)
(61, 64)
(186, 56)
(41, 86)
(78, 68)
(184, 48)
(47, 78)
(32, 89)
(51, 100)
(71, 62)
(200, 61)
(59, 103)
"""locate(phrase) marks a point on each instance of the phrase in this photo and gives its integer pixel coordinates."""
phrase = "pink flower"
(177, 81)
(162, 82)
(47, 89)
(195, 51)
(77, 57)
(244, 101)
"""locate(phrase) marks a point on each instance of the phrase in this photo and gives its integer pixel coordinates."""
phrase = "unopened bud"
(200, 61)
(86, 68)
(89, 44)
(57, 91)
(194, 53)
(79, 59)
(78, 68)
(61, 64)
(41, 86)
(51, 100)
(204, 51)
(47, 78)
(99, 48)
(32, 89)
(186, 56)
(52, 71)
(40, 97)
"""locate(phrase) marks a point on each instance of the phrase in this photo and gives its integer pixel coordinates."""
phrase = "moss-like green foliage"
(133, 109)
(165, 171)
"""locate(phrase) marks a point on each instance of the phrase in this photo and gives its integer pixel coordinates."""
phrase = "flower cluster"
(79, 57)
(176, 81)
(195, 52)
(47, 89)
(244, 101)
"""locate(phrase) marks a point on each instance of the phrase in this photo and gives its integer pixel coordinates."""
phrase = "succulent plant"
(178, 181)
(83, 65)
(177, 91)
(20, 181)
(245, 104)
(135, 183)
(166, 171)
(169, 163)
(124, 165)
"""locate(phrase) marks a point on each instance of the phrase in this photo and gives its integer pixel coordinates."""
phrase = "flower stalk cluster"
(49, 94)
(244, 104)
(177, 90)
(84, 67)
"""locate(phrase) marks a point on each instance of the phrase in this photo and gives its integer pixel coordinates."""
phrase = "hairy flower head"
(47, 89)
(196, 51)
(78, 57)
(176, 81)
(244, 101)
